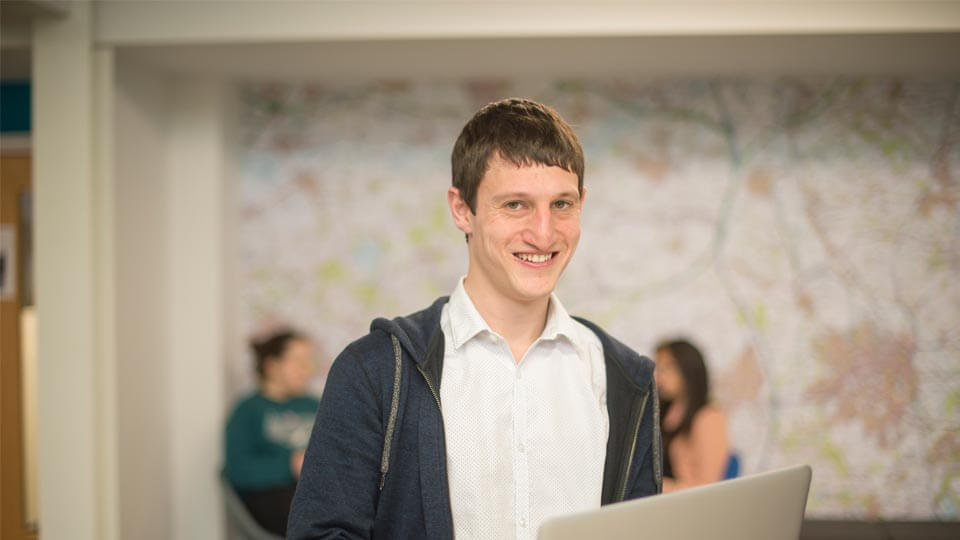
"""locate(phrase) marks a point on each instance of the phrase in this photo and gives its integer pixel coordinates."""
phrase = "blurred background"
(779, 180)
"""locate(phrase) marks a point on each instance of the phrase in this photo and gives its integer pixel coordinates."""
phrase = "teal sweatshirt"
(261, 436)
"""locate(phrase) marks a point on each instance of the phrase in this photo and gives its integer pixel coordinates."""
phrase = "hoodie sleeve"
(338, 489)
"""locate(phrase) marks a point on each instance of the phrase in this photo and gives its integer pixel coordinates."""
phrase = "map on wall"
(804, 233)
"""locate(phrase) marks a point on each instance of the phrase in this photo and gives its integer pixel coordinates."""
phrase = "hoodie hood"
(415, 331)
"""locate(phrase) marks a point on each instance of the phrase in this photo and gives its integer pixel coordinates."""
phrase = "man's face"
(524, 232)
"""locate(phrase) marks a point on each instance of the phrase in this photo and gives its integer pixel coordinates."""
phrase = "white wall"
(194, 273)
(141, 109)
(170, 215)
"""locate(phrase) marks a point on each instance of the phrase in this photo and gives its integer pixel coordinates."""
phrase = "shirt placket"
(521, 469)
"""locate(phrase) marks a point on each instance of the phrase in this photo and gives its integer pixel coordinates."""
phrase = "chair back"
(240, 523)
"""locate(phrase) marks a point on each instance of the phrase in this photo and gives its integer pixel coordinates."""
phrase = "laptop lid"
(766, 506)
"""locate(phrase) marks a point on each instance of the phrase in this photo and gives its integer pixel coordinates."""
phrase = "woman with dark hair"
(696, 450)
(269, 429)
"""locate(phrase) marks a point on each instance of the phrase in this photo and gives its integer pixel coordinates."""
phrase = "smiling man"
(493, 409)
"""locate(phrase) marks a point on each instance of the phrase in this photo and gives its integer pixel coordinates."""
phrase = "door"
(17, 486)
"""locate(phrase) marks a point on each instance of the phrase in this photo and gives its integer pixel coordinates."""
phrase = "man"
(491, 410)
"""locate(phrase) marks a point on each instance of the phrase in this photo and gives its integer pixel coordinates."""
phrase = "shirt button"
(523, 523)
(523, 448)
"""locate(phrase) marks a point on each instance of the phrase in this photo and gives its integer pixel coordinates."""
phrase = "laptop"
(766, 506)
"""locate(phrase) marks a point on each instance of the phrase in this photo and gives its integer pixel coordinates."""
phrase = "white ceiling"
(169, 22)
(260, 41)
(648, 56)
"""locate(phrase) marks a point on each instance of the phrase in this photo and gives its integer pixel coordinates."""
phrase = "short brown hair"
(520, 131)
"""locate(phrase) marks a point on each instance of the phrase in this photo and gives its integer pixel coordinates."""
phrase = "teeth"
(534, 258)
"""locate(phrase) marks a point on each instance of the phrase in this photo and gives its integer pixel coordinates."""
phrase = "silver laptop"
(766, 506)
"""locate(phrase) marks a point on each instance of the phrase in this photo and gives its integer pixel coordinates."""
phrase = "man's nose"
(540, 229)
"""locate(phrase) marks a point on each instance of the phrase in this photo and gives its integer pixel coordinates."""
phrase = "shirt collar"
(559, 323)
(466, 322)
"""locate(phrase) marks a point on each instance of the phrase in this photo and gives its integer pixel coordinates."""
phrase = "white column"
(195, 318)
(105, 332)
(65, 269)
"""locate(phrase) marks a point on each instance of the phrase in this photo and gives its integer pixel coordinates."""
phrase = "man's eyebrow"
(569, 195)
(511, 195)
(523, 195)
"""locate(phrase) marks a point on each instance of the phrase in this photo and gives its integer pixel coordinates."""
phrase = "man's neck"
(520, 323)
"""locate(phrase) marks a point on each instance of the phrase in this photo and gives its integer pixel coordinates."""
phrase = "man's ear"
(462, 215)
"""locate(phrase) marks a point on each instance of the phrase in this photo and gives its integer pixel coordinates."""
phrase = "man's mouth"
(536, 258)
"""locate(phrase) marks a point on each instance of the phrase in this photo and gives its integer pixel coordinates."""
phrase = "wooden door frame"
(14, 181)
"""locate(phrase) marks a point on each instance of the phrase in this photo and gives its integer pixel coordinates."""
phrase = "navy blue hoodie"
(340, 493)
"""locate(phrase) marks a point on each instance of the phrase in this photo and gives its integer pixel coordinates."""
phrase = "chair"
(240, 524)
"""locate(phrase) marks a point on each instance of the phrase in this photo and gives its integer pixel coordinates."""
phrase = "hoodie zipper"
(433, 390)
(633, 448)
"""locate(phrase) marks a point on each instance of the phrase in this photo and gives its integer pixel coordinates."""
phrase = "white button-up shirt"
(525, 441)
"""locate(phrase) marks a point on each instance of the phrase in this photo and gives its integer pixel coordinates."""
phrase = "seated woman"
(269, 429)
(696, 450)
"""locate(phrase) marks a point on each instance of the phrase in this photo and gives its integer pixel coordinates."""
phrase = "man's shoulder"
(637, 367)
(412, 331)
(373, 346)
(586, 334)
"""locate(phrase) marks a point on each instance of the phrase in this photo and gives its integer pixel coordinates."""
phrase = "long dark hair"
(695, 379)
(271, 348)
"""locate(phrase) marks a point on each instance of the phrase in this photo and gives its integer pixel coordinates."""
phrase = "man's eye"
(514, 205)
(562, 205)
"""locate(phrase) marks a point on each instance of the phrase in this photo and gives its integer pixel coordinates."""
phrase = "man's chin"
(532, 292)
